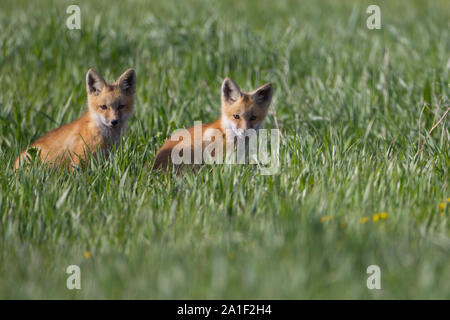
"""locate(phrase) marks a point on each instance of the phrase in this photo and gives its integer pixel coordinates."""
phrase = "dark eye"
(121, 106)
(103, 107)
(252, 118)
(236, 116)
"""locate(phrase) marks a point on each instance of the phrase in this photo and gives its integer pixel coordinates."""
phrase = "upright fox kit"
(109, 107)
(241, 111)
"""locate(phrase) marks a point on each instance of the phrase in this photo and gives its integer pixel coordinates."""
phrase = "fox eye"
(252, 118)
(103, 107)
(236, 116)
(121, 106)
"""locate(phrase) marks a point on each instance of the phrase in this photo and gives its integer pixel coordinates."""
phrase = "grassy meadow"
(364, 175)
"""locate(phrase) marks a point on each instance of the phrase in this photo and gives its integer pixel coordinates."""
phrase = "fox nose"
(115, 122)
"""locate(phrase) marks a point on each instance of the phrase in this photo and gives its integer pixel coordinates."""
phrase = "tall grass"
(348, 101)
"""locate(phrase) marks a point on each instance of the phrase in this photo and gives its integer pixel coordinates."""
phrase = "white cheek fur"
(109, 133)
(100, 120)
(228, 124)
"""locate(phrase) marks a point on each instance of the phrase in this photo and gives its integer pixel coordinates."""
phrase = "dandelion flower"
(383, 215)
(87, 254)
(448, 199)
(442, 206)
(376, 217)
(364, 219)
(326, 218)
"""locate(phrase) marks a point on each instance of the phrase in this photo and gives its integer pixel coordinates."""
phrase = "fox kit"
(109, 107)
(241, 111)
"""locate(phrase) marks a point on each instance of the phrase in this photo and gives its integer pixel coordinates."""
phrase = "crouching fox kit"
(109, 107)
(241, 112)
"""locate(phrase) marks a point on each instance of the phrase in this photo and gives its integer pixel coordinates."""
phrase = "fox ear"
(94, 82)
(127, 82)
(263, 95)
(230, 91)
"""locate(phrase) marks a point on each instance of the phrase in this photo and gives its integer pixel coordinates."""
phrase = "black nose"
(115, 122)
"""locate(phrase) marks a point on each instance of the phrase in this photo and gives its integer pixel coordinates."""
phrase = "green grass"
(348, 102)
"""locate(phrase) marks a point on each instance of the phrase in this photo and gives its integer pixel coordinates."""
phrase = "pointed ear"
(94, 82)
(127, 82)
(263, 95)
(230, 91)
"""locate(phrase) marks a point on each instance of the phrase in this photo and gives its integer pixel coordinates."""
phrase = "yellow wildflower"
(383, 215)
(376, 217)
(442, 206)
(87, 254)
(448, 199)
(364, 219)
(326, 218)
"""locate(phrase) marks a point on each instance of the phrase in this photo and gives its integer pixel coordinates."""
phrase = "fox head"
(111, 104)
(242, 111)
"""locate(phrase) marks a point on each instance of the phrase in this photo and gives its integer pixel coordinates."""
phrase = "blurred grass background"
(348, 101)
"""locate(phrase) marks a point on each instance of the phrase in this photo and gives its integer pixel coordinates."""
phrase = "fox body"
(109, 107)
(241, 112)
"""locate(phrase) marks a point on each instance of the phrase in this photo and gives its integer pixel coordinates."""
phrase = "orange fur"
(250, 107)
(97, 130)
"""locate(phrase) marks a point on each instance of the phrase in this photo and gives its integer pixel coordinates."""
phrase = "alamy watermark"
(74, 280)
(374, 20)
(258, 147)
(374, 280)
(74, 20)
